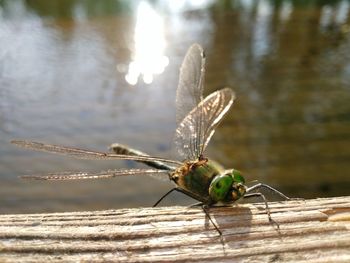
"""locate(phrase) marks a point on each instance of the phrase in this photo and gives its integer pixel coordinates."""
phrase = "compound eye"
(237, 176)
(220, 187)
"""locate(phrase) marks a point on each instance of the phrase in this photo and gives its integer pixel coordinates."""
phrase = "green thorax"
(197, 178)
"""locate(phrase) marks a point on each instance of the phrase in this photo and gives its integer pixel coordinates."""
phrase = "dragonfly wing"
(97, 175)
(189, 92)
(85, 154)
(195, 131)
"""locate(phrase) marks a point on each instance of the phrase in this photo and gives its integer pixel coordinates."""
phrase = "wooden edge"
(302, 230)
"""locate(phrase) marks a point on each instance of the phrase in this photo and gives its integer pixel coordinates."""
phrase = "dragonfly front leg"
(261, 185)
(267, 208)
(264, 199)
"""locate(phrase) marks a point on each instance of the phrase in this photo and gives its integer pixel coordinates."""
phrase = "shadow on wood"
(316, 230)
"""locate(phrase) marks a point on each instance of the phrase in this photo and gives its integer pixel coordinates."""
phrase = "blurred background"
(90, 73)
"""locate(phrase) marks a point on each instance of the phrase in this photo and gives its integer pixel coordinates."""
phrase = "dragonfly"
(196, 176)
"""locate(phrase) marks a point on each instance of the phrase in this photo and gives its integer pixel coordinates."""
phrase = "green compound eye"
(237, 177)
(220, 187)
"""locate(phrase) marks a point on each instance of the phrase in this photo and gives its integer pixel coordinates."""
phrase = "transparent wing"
(195, 131)
(98, 175)
(190, 89)
(85, 154)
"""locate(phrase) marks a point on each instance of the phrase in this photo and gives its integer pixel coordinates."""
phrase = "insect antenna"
(252, 182)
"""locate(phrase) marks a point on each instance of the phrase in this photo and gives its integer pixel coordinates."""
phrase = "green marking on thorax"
(198, 180)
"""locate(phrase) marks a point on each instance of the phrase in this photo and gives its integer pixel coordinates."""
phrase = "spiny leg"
(204, 208)
(194, 196)
(267, 208)
(169, 192)
(196, 204)
(201, 204)
(261, 185)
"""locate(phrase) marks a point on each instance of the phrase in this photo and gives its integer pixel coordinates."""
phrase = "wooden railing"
(316, 230)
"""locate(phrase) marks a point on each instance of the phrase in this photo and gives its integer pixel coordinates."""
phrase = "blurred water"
(90, 73)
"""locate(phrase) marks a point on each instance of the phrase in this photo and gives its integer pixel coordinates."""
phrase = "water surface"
(90, 73)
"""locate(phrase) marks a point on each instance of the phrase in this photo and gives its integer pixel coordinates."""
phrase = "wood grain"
(314, 230)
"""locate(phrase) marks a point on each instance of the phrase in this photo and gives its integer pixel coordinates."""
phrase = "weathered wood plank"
(316, 230)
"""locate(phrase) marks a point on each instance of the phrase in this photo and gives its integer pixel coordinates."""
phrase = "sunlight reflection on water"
(149, 46)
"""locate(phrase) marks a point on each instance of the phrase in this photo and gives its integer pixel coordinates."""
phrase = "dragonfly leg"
(204, 208)
(196, 204)
(261, 185)
(206, 212)
(181, 191)
(169, 192)
(201, 204)
(267, 208)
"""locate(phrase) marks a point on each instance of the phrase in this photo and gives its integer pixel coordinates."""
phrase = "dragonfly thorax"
(195, 177)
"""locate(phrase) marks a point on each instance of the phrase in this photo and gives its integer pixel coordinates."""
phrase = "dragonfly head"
(227, 187)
